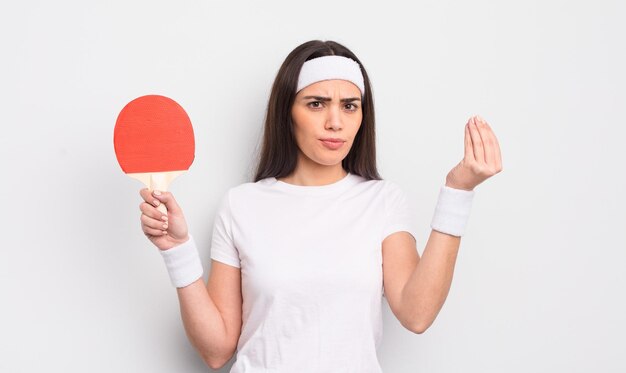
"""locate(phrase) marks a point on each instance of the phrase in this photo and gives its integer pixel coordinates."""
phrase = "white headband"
(330, 67)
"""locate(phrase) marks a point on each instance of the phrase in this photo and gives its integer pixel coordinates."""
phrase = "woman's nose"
(333, 120)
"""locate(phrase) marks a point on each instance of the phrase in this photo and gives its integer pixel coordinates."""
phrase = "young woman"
(302, 256)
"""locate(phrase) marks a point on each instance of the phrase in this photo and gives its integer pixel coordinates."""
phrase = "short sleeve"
(222, 243)
(398, 216)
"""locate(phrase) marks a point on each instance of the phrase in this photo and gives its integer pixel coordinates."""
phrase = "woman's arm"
(212, 314)
(428, 285)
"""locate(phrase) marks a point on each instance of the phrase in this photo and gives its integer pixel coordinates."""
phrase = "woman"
(302, 256)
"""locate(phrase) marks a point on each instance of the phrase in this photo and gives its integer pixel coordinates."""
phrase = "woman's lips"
(333, 145)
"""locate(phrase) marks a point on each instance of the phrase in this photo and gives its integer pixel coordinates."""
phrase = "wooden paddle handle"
(159, 181)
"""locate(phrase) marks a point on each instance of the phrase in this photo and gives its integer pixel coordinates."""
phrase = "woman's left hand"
(482, 156)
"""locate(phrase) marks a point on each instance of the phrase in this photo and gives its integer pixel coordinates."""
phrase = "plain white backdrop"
(539, 283)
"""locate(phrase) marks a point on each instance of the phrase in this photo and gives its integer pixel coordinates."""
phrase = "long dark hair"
(279, 152)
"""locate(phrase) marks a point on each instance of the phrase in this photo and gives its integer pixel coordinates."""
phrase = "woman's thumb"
(167, 199)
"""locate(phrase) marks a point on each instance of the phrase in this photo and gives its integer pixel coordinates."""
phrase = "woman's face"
(326, 109)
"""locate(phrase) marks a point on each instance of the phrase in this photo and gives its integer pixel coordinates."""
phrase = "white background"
(539, 281)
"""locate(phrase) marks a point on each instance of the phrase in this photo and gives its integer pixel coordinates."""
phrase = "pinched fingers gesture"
(482, 156)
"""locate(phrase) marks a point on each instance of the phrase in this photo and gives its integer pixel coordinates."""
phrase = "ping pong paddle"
(154, 141)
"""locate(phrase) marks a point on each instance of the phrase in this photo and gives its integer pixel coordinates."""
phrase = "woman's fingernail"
(164, 226)
(157, 193)
(164, 217)
(156, 202)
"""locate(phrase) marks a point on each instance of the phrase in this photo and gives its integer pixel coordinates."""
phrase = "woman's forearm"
(203, 323)
(427, 288)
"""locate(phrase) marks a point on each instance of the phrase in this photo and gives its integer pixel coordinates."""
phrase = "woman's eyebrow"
(321, 98)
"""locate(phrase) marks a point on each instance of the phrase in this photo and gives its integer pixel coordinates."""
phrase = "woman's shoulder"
(248, 188)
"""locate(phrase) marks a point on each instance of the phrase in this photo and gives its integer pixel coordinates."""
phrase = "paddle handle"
(159, 181)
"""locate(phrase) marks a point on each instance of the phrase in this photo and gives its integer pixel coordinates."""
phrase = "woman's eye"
(318, 104)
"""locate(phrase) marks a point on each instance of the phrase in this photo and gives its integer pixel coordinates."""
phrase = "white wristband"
(452, 211)
(183, 263)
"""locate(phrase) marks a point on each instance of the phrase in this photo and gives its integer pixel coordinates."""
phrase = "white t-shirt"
(311, 270)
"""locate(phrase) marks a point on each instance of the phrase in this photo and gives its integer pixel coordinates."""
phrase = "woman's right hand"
(163, 231)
